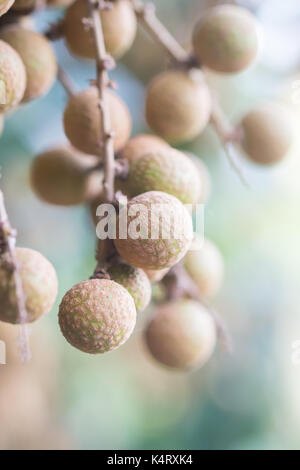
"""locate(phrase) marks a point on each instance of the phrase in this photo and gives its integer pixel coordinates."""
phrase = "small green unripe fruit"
(178, 105)
(226, 39)
(65, 177)
(82, 121)
(12, 77)
(169, 171)
(181, 335)
(159, 231)
(141, 144)
(135, 281)
(119, 29)
(205, 265)
(156, 276)
(267, 134)
(97, 316)
(5, 6)
(39, 285)
(38, 57)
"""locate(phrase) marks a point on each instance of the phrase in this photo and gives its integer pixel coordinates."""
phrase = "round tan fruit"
(82, 121)
(205, 265)
(97, 316)
(5, 6)
(12, 77)
(167, 170)
(226, 39)
(156, 233)
(39, 285)
(182, 335)
(65, 177)
(38, 57)
(156, 276)
(141, 144)
(135, 281)
(267, 134)
(178, 105)
(119, 29)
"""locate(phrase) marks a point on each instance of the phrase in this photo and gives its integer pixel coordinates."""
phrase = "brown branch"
(104, 62)
(146, 15)
(66, 81)
(7, 246)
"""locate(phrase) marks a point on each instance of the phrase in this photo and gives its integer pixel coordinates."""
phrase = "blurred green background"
(123, 400)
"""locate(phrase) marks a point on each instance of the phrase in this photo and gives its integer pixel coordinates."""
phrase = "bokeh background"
(64, 399)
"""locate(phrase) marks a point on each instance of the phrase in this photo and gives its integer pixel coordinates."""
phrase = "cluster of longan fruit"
(99, 314)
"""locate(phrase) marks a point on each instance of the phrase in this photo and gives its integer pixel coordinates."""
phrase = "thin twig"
(104, 62)
(66, 81)
(7, 245)
(148, 19)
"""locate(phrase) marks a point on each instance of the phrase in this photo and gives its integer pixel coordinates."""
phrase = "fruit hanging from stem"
(12, 77)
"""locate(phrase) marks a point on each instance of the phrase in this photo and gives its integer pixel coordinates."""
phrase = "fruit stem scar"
(7, 247)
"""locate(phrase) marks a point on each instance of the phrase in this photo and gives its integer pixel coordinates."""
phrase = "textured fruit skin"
(267, 134)
(39, 284)
(181, 335)
(205, 265)
(38, 57)
(83, 126)
(169, 171)
(64, 176)
(97, 316)
(153, 253)
(135, 281)
(12, 77)
(5, 6)
(119, 29)
(156, 276)
(178, 105)
(141, 144)
(226, 39)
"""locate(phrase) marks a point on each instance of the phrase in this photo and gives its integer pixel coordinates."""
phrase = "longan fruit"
(226, 39)
(178, 105)
(181, 335)
(97, 316)
(13, 77)
(204, 263)
(38, 57)
(267, 134)
(141, 144)
(39, 285)
(5, 5)
(167, 170)
(163, 229)
(135, 281)
(65, 177)
(82, 121)
(119, 28)
(156, 275)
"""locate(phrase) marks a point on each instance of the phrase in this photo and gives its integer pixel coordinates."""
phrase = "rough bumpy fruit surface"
(119, 29)
(267, 134)
(169, 171)
(178, 105)
(205, 265)
(82, 121)
(159, 231)
(156, 276)
(5, 6)
(64, 176)
(39, 285)
(97, 316)
(38, 57)
(181, 335)
(141, 144)
(226, 39)
(135, 281)
(12, 77)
